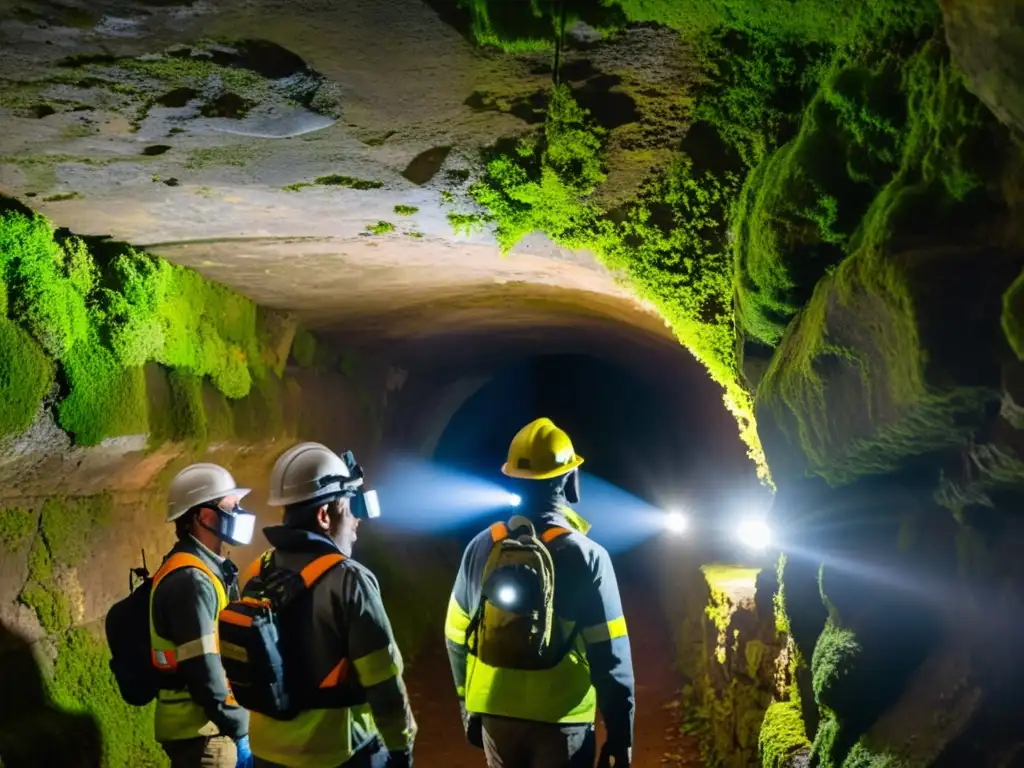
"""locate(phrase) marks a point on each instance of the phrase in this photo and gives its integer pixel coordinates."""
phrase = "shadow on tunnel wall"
(33, 731)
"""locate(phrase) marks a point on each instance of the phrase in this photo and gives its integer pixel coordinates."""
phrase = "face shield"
(364, 504)
(235, 525)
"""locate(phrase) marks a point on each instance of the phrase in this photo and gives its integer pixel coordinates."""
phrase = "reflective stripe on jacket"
(597, 672)
(346, 640)
(178, 714)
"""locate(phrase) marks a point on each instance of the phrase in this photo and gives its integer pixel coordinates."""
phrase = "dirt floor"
(658, 740)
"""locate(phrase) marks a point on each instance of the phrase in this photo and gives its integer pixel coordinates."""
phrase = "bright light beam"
(514, 499)
(676, 522)
(417, 495)
(754, 533)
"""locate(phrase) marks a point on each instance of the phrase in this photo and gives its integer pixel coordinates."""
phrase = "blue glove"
(245, 758)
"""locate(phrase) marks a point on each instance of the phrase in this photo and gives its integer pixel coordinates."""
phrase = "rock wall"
(77, 511)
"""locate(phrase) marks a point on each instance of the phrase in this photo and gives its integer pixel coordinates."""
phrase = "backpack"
(127, 630)
(514, 625)
(251, 646)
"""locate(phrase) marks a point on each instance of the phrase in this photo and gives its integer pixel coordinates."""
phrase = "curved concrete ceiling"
(105, 143)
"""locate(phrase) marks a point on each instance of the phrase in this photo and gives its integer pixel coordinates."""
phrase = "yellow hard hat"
(540, 451)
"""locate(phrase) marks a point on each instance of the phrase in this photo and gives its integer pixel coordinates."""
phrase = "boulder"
(987, 40)
(896, 356)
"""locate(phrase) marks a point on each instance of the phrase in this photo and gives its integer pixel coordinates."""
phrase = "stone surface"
(178, 127)
(987, 40)
(895, 356)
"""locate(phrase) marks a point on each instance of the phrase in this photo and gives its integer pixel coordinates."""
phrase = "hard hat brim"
(523, 474)
(241, 493)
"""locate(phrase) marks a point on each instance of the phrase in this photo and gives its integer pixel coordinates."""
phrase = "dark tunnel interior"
(650, 445)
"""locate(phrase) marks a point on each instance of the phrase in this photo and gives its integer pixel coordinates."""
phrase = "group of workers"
(534, 630)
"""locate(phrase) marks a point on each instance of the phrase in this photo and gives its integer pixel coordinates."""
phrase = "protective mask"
(235, 526)
(572, 487)
(365, 505)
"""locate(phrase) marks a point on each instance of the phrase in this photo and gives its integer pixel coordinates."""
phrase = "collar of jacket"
(289, 539)
(206, 551)
(565, 516)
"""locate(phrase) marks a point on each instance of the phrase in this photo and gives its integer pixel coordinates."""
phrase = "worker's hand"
(615, 757)
(245, 758)
(399, 760)
(473, 726)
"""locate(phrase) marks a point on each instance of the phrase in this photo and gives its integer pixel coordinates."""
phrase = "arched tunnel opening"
(762, 265)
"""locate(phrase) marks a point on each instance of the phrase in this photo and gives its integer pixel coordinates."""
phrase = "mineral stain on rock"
(426, 165)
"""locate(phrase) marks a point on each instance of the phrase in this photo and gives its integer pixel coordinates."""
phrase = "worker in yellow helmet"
(535, 632)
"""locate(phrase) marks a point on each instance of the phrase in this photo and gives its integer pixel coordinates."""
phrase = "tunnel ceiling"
(263, 164)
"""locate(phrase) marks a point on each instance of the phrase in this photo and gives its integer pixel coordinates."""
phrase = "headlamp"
(365, 505)
(754, 533)
(676, 522)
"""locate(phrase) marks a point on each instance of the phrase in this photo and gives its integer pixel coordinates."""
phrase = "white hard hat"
(309, 471)
(199, 484)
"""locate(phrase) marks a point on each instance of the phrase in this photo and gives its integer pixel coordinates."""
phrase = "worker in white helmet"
(337, 649)
(197, 720)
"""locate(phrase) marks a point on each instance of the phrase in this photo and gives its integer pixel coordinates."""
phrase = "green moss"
(754, 653)
(103, 316)
(188, 415)
(467, 223)
(304, 348)
(16, 528)
(782, 734)
(526, 27)
(841, 440)
(825, 748)
(542, 185)
(337, 180)
(82, 683)
(40, 295)
(1013, 316)
(237, 155)
(380, 228)
(862, 756)
(834, 662)
(66, 527)
(26, 375)
(67, 524)
(837, 22)
(105, 399)
(406, 210)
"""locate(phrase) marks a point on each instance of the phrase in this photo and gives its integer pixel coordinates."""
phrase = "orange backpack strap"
(181, 560)
(553, 533)
(319, 567)
(499, 532)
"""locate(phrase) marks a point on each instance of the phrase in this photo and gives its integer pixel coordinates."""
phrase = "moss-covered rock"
(782, 734)
(880, 367)
(902, 132)
(105, 313)
(26, 375)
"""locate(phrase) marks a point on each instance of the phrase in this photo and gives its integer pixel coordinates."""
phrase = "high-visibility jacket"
(194, 699)
(597, 672)
(343, 635)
